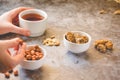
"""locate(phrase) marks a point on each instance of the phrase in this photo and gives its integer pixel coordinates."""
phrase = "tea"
(32, 17)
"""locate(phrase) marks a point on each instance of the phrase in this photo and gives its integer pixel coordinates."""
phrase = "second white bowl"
(77, 48)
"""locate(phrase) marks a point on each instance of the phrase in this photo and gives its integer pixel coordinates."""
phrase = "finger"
(16, 48)
(6, 60)
(10, 43)
(20, 55)
(19, 30)
(16, 11)
(8, 52)
(15, 21)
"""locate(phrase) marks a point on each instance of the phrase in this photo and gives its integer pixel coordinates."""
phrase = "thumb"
(16, 11)
(20, 55)
(19, 30)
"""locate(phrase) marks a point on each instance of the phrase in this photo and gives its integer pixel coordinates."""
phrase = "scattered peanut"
(103, 11)
(10, 71)
(118, 1)
(117, 12)
(7, 75)
(16, 73)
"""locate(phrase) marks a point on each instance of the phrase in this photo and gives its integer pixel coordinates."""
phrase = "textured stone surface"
(68, 15)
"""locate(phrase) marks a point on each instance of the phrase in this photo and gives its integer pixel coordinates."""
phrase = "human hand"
(8, 62)
(9, 22)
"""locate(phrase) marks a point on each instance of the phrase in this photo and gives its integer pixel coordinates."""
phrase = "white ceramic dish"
(34, 64)
(77, 48)
(37, 28)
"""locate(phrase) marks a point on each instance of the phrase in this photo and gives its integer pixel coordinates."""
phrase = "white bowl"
(77, 48)
(34, 64)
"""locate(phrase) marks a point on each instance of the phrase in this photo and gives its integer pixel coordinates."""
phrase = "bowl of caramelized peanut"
(34, 57)
(77, 41)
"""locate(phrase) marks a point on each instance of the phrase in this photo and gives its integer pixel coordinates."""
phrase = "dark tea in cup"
(32, 17)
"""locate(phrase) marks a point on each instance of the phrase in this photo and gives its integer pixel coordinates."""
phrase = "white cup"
(37, 28)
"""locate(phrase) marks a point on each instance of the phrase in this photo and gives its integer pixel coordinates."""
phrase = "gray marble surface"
(69, 15)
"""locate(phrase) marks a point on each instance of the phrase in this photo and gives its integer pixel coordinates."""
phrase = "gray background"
(69, 15)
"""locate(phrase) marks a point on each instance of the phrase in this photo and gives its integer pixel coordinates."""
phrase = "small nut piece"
(37, 49)
(7, 75)
(81, 39)
(102, 11)
(20, 41)
(16, 73)
(118, 1)
(53, 36)
(109, 45)
(57, 43)
(28, 57)
(117, 12)
(70, 37)
(10, 71)
(101, 48)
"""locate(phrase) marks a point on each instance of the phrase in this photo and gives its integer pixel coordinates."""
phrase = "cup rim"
(45, 17)
(43, 50)
(86, 34)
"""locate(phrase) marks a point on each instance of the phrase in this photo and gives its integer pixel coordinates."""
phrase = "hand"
(8, 21)
(8, 62)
